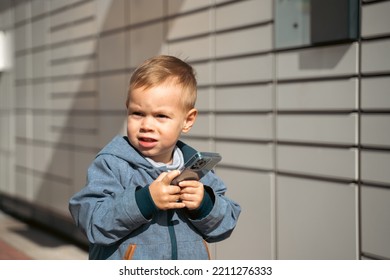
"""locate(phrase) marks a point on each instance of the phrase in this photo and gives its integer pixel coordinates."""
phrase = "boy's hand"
(166, 196)
(191, 194)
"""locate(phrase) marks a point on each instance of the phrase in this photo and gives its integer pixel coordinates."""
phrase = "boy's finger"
(161, 176)
(174, 190)
(170, 176)
(176, 205)
(190, 183)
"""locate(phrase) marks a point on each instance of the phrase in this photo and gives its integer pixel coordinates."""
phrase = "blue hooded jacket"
(118, 216)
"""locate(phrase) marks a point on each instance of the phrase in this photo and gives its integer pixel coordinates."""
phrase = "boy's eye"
(138, 114)
(162, 116)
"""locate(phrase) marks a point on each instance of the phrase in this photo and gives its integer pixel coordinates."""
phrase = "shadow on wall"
(314, 60)
(87, 104)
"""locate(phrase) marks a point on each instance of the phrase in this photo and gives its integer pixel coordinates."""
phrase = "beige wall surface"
(304, 132)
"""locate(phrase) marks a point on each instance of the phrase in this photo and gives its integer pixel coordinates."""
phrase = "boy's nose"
(147, 124)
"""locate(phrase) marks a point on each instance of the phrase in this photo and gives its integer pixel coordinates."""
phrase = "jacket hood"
(121, 148)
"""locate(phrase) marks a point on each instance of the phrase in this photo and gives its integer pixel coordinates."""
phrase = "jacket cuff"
(205, 207)
(145, 202)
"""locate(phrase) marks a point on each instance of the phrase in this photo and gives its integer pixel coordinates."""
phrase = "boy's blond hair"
(164, 68)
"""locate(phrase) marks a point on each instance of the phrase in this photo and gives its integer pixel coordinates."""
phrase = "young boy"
(129, 209)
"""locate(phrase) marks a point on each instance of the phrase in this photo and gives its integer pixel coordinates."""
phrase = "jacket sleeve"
(106, 210)
(222, 219)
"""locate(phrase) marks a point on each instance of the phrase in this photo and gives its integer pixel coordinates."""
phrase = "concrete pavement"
(21, 241)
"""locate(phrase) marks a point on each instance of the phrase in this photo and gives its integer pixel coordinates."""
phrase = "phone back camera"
(199, 164)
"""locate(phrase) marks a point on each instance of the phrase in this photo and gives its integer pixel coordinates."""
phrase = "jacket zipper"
(172, 235)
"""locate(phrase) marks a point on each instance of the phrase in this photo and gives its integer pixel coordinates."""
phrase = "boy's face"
(155, 119)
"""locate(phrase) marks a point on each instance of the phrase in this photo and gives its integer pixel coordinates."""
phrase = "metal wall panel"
(197, 49)
(112, 56)
(244, 70)
(375, 155)
(304, 123)
(375, 58)
(317, 62)
(335, 129)
(111, 92)
(318, 95)
(318, 161)
(259, 127)
(257, 39)
(252, 238)
(142, 11)
(145, 42)
(244, 98)
(375, 94)
(246, 155)
(189, 25)
(204, 73)
(316, 220)
(203, 126)
(375, 130)
(375, 20)
(375, 221)
(182, 6)
(375, 166)
(254, 11)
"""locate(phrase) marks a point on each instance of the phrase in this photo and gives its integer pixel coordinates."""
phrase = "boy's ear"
(190, 120)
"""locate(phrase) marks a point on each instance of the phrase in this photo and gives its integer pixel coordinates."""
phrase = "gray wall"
(304, 133)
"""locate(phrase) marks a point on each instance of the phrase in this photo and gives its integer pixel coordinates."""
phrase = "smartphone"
(197, 166)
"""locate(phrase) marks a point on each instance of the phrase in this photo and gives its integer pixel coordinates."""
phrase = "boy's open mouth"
(146, 139)
(147, 142)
